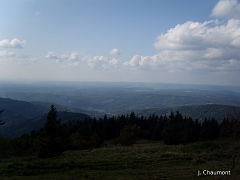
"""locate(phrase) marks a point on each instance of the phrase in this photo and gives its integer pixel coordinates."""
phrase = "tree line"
(55, 138)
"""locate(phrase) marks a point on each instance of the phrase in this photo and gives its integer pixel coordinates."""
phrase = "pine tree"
(156, 135)
(172, 132)
(52, 139)
(234, 117)
(209, 130)
(159, 126)
(205, 133)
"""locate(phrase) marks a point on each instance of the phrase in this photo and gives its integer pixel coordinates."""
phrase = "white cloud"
(73, 57)
(227, 8)
(236, 42)
(51, 55)
(75, 64)
(213, 53)
(114, 62)
(115, 51)
(64, 57)
(134, 62)
(97, 61)
(208, 60)
(194, 46)
(14, 43)
(197, 36)
(7, 54)
(231, 65)
(101, 62)
(18, 59)
(59, 60)
(158, 61)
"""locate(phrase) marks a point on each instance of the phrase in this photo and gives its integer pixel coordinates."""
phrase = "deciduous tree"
(129, 135)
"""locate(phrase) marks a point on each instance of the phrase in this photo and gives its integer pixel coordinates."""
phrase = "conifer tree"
(205, 133)
(156, 135)
(172, 132)
(234, 117)
(157, 132)
(209, 130)
(51, 140)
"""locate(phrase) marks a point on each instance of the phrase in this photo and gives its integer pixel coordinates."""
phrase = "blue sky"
(169, 41)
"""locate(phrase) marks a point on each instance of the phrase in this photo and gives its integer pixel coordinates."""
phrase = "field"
(144, 160)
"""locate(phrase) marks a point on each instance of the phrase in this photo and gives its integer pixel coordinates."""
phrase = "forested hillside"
(219, 112)
(125, 129)
(22, 117)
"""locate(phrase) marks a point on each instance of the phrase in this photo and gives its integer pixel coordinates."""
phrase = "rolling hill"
(23, 117)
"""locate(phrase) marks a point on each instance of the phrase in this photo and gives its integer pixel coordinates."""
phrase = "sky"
(162, 41)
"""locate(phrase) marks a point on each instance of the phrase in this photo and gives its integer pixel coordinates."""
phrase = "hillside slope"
(22, 117)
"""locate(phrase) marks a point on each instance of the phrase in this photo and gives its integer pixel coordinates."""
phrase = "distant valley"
(25, 105)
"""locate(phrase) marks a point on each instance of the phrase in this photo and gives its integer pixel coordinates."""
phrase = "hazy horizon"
(96, 84)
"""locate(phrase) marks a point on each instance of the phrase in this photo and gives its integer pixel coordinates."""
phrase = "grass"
(145, 160)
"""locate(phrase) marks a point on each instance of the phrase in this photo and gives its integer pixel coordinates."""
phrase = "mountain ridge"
(217, 111)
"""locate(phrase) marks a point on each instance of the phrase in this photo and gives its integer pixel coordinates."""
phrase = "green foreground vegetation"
(143, 160)
(125, 147)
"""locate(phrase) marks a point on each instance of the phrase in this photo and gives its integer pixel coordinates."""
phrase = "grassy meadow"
(144, 160)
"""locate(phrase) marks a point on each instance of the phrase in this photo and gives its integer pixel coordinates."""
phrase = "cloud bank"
(73, 58)
(226, 8)
(51, 55)
(210, 46)
(199, 36)
(7, 54)
(101, 62)
(14, 43)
